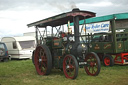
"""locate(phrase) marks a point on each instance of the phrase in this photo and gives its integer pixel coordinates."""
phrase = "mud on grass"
(22, 72)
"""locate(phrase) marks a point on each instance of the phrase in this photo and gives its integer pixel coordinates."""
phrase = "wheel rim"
(69, 67)
(107, 61)
(40, 60)
(92, 65)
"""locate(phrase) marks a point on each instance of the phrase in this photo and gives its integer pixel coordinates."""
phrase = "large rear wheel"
(93, 64)
(43, 60)
(70, 67)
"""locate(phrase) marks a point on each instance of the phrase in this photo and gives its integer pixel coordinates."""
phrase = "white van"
(20, 47)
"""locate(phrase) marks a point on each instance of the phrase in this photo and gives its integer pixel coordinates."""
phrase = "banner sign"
(98, 27)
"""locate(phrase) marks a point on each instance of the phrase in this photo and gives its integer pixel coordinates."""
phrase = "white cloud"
(15, 22)
(99, 4)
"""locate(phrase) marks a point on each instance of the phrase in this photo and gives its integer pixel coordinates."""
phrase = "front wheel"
(70, 67)
(108, 60)
(93, 64)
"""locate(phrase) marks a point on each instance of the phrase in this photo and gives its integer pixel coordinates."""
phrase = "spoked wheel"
(108, 60)
(93, 64)
(70, 67)
(43, 60)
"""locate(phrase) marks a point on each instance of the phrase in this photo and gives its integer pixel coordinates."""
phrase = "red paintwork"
(55, 38)
(81, 13)
(122, 56)
(107, 61)
(63, 34)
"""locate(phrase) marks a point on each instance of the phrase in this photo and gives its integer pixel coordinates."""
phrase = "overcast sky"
(16, 14)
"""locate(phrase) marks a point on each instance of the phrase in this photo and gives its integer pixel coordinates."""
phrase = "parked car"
(3, 52)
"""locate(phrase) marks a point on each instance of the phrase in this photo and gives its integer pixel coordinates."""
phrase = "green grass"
(22, 72)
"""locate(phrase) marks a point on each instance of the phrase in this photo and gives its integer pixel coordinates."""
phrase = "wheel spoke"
(93, 69)
(90, 59)
(69, 60)
(66, 63)
(43, 54)
(89, 68)
(44, 65)
(40, 53)
(70, 71)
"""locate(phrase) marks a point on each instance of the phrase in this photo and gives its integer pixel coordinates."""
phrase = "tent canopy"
(104, 18)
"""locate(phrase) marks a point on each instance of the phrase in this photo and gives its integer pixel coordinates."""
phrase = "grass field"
(22, 72)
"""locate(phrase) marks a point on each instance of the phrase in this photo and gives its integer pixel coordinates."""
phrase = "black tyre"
(93, 64)
(33, 57)
(43, 60)
(108, 60)
(5, 60)
(70, 67)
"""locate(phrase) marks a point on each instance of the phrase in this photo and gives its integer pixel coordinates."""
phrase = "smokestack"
(75, 9)
(76, 26)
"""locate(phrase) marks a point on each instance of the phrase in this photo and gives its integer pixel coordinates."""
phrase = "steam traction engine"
(63, 50)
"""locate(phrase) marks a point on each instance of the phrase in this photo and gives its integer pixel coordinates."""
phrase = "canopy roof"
(119, 16)
(62, 18)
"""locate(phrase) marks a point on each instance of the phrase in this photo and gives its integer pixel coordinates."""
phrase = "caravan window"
(27, 44)
(14, 45)
(2, 46)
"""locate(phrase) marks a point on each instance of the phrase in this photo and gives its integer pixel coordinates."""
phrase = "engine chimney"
(76, 26)
(75, 9)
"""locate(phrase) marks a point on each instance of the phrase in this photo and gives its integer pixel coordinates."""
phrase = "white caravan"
(20, 47)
